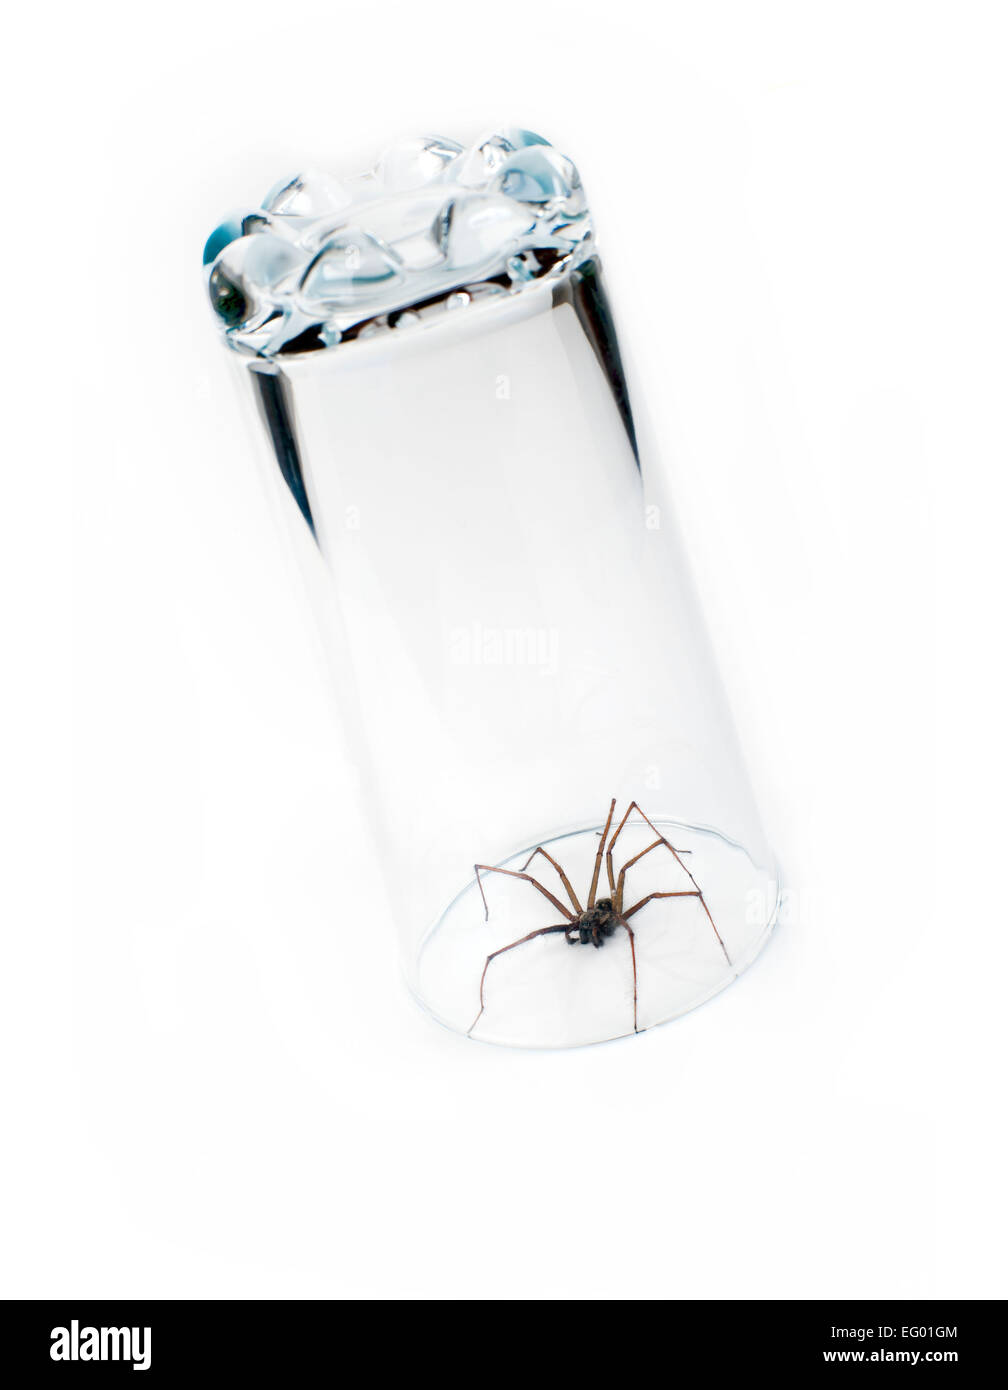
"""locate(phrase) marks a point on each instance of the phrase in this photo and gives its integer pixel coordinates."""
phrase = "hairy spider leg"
(633, 962)
(683, 893)
(660, 841)
(542, 931)
(566, 881)
(598, 857)
(676, 855)
(616, 888)
(616, 885)
(512, 873)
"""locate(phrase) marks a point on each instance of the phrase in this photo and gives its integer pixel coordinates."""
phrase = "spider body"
(594, 925)
(601, 917)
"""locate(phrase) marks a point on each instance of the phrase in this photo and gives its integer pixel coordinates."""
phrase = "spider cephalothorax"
(594, 925)
(600, 918)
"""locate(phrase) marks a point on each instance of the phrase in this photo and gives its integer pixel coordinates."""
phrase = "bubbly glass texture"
(432, 228)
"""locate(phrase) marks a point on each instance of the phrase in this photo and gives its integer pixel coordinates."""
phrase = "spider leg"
(662, 840)
(598, 857)
(512, 873)
(617, 887)
(633, 961)
(566, 881)
(676, 854)
(683, 893)
(542, 931)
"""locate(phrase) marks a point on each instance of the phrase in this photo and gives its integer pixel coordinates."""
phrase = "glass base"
(547, 992)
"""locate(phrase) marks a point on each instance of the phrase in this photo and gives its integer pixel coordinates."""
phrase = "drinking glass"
(519, 653)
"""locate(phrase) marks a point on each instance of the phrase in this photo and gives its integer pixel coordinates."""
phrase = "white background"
(214, 1082)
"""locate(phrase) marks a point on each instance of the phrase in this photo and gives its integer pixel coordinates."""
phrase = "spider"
(596, 922)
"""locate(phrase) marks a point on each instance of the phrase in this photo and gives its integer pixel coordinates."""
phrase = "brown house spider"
(600, 918)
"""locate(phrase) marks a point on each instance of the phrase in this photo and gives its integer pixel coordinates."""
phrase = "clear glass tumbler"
(572, 846)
